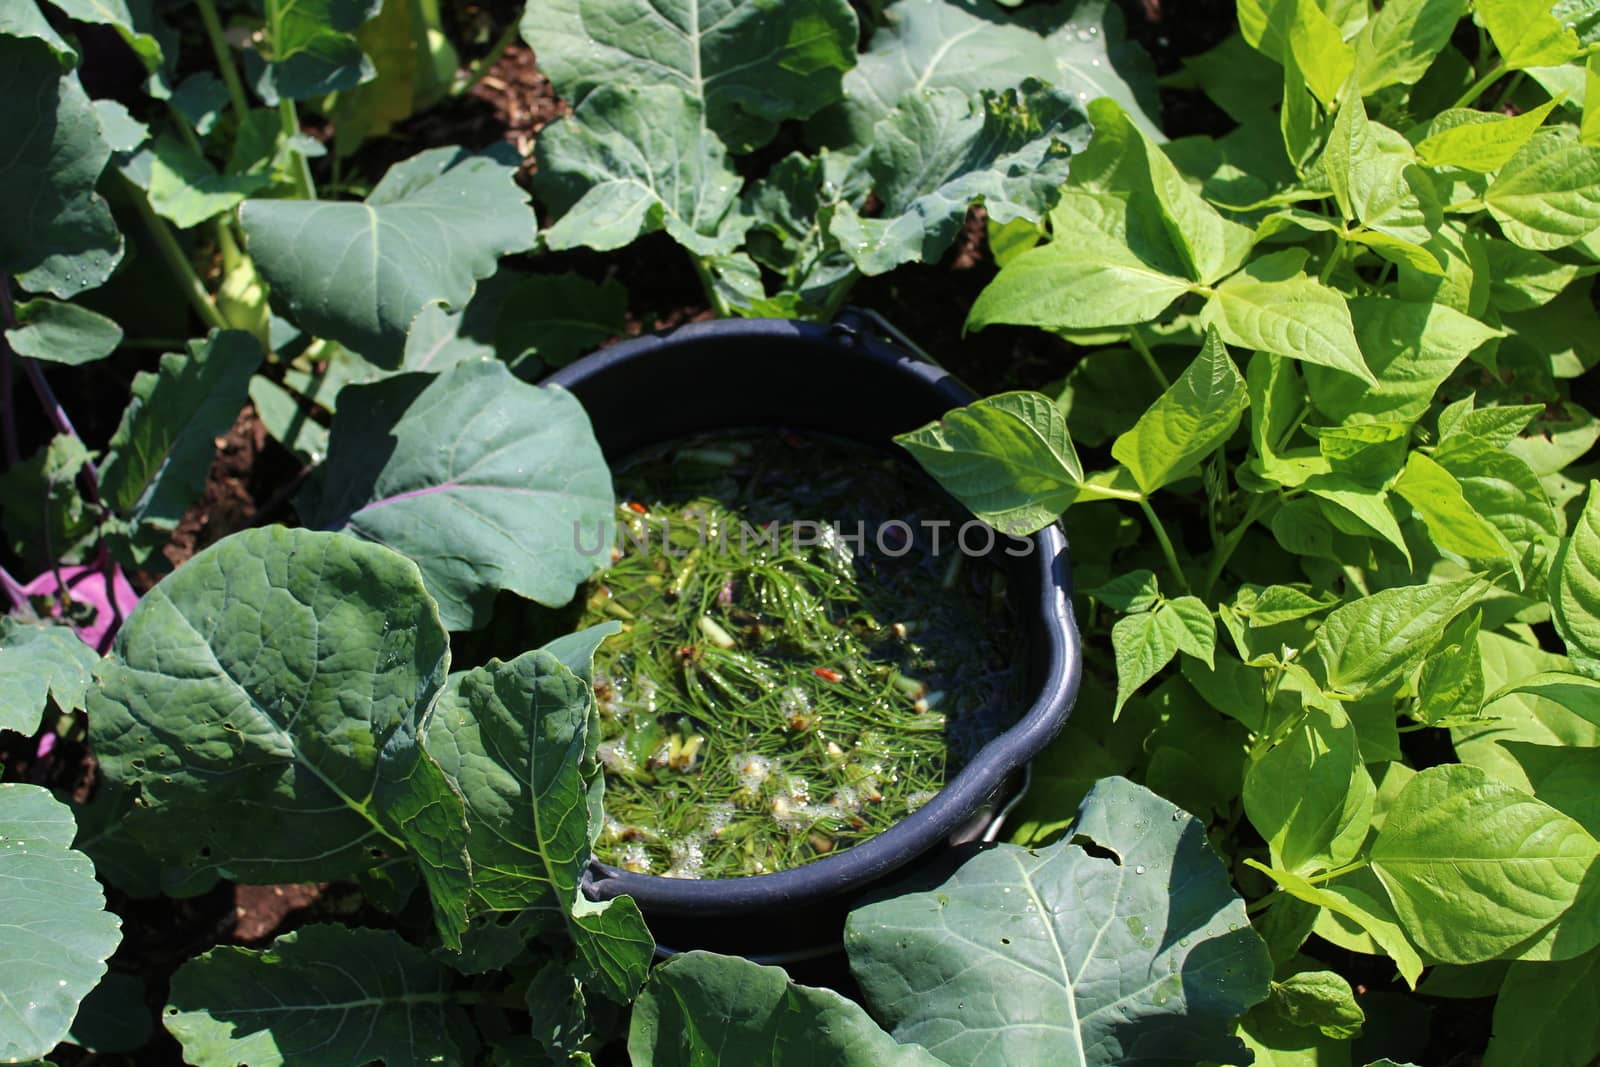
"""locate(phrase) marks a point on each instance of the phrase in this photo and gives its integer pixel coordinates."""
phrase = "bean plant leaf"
(1478, 141)
(1123, 942)
(487, 482)
(1373, 915)
(699, 1001)
(58, 933)
(1271, 305)
(62, 333)
(941, 151)
(1370, 642)
(1526, 34)
(1322, 999)
(1475, 867)
(1575, 588)
(53, 152)
(160, 455)
(633, 160)
(1453, 524)
(1309, 795)
(1008, 458)
(1063, 286)
(929, 44)
(1188, 422)
(1547, 1013)
(1548, 195)
(749, 65)
(265, 703)
(311, 48)
(1399, 43)
(321, 994)
(359, 273)
(38, 664)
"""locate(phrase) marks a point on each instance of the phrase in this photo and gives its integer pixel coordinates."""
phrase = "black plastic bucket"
(844, 380)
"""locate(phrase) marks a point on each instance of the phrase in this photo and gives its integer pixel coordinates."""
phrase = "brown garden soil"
(252, 478)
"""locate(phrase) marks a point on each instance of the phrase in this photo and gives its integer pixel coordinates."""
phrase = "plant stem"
(1166, 544)
(1338, 872)
(1476, 89)
(8, 410)
(219, 47)
(1143, 349)
(1511, 86)
(1230, 543)
(177, 260)
(482, 66)
(709, 284)
(291, 129)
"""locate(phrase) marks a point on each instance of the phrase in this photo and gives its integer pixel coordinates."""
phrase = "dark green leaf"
(311, 48)
(40, 663)
(62, 333)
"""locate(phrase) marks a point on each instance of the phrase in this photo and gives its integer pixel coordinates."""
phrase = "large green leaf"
(1371, 642)
(51, 156)
(630, 161)
(512, 738)
(320, 995)
(263, 706)
(1374, 178)
(942, 151)
(698, 1002)
(1190, 420)
(1547, 1013)
(749, 64)
(1475, 867)
(488, 482)
(1454, 525)
(58, 933)
(1410, 346)
(359, 273)
(1575, 588)
(1122, 943)
(1061, 285)
(1527, 32)
(1398, 44)
(159, 457)
(1008, 458)
(1548, 195)
(1373, 915)
(37, 664)
(311, 48)
(930, 44)
(186, 189)
(1514, 674)
(1143, 643)
(1271, 305)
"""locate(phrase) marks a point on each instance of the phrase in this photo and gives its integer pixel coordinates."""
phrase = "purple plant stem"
(89, 475)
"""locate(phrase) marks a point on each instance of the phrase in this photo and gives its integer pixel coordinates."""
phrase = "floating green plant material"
(807, 653)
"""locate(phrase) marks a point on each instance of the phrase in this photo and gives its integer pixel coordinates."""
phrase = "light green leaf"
(1131, 592)
(1563, 778)
(62, 333)
(1357, 509)
(1518, 717)
(1575, 585)
(1475, 867)
(157, 461)
(1100, 944)
(1008, 458)
(1547, 1013)
(1371, 914)
(1322, 999)
(1188, 422)
(319, 995)
(1450, 684)
(263, 704)
(1453, 524)
(488, 482)
(1144, 643)
(749, 65)
(1526, 33)
(1060, 286)
(1589, 130)
(1548, 195)
(186, 189)
(134, 20)
(1576, 693)
(53, 152)
(700, 1001)
(1521, 280)
(1372, 172)
(1399, 42)
(1371, 642)
(1502, 488)
(311, 49)
(1309, 795)
(40, 663)
(630, 161)
(1482, 143)
(1279, 603)
(1196, 632)
(1324, 59)
(1271, 305)
(512, 738)
(929, 44)
(58, 932)
(360, 272)
(942, 151)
